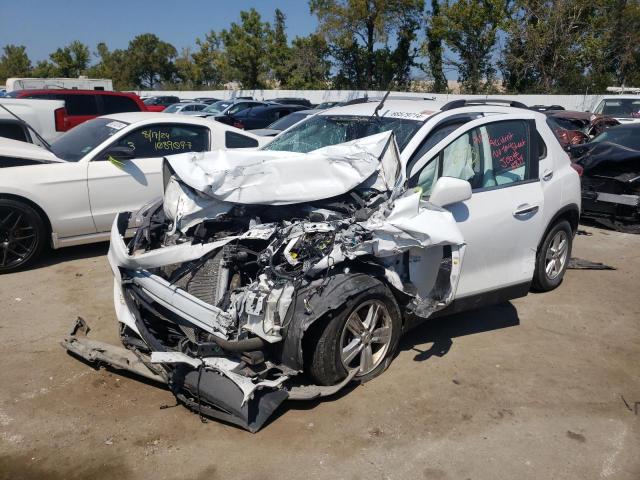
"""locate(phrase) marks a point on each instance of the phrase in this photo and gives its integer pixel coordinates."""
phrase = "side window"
(14, 131)
(488, 156)
(118, 104)
(235, 140)
(161, 140)
(80, 104)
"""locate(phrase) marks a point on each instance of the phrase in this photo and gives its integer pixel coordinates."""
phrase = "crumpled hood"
(282, 178)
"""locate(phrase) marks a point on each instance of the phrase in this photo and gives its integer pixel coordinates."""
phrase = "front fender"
(320, 297)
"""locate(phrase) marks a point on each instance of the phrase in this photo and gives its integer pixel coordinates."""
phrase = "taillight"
(61, 120)
(577, 168)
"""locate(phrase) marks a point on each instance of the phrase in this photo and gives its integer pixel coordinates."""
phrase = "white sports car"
(73, 191)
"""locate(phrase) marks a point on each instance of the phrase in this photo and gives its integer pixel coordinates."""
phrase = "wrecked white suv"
(274, 274)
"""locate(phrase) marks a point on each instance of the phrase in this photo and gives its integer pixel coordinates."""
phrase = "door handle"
(548, 175)
(525, 209)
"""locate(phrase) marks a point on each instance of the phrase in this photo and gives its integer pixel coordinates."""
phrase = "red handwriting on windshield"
(504, 149)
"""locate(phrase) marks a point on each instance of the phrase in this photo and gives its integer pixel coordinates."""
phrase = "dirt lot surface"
(534, 389)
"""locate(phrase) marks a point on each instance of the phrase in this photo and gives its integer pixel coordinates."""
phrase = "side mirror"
(120, 153)
(448, 190)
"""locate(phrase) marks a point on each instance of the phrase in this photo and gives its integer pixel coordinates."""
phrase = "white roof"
(136, 117)
(618, 97)
(410, 109)
(16, 148)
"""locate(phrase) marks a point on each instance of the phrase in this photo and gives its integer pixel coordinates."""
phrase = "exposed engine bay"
(217, 288)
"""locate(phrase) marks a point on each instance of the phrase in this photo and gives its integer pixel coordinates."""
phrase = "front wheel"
(363, 337)
(553, 257)
(22, 235)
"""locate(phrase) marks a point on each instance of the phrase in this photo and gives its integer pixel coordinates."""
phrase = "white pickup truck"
(46, 117)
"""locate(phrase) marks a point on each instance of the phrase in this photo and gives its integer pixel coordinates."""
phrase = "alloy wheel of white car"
(366, 337)
(556, 255)
(21, 235)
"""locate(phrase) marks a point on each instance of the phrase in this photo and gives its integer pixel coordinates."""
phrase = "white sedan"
(107, 165)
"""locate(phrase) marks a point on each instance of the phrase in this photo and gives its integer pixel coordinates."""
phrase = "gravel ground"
(532, 389)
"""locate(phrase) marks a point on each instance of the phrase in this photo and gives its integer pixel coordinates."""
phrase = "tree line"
(520, 46)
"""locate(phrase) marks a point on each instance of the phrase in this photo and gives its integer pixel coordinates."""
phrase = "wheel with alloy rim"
(553, 256)
(366, 337)
(22, 233)
(363, 336)
(556, 256)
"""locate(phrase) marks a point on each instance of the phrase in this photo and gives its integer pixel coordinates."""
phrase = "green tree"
(355, 27)
(114, 65)
(71, 61)
(470, 29)
(279, 51)
(151, 60)
(44, 69)
(432, 49)
(209, 60)
(246, 49)
(14, 62)
(308, 65)
(187, 71)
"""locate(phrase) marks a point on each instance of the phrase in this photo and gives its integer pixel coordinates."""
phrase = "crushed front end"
(214, 297)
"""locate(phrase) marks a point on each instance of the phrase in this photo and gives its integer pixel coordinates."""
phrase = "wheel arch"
(315, 304)
(570, 213)
(35, 206)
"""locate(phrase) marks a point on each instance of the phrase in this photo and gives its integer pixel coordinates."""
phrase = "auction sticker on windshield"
(116, 125)
(407, 115)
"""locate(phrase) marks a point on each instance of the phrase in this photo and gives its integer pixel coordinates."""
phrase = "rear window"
(79, 104)
(118, 104)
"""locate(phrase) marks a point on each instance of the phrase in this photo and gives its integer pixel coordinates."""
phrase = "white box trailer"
(80, 83)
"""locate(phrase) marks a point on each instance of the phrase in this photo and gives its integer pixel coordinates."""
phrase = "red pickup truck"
(83, 105)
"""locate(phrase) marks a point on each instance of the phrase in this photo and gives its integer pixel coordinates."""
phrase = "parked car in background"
(83, 105)
(325, 105)
(185, 107)
(47, 117)
(572, 127)
(610, 166)
(207, 100)
(302, 274)
(69, 194)
(227, 107)
(258, 116)
(283, 123)
(291, 101)
(624, 108)
(159, 103)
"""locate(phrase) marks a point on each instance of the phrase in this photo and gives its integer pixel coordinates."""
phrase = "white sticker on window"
(407, 115)
(116, 125)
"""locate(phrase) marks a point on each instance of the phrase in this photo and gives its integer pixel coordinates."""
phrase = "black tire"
(543, 280)
(324, 362)
(23, 235)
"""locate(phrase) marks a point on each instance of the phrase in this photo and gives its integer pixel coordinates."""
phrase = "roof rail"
(467, 103)
(390, 97)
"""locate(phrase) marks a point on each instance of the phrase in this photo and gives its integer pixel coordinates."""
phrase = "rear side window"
(161, 140)
(236, 140)
(14, 131)
(118, 104)
(80, 104)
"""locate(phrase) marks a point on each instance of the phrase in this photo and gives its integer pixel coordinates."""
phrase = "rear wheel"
(553, 257)
(22, 235)
(363, 336)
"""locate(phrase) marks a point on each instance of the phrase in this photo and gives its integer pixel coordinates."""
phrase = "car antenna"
(44, 142)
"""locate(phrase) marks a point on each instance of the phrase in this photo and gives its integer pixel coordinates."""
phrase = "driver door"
(502, 221)
(128, 173)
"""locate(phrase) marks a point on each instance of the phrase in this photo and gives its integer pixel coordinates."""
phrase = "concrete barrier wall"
(569, 102)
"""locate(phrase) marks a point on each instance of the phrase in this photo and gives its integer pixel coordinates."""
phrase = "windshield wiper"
(25, 124)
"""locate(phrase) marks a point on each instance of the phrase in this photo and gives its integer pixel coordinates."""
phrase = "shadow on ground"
(53, 257)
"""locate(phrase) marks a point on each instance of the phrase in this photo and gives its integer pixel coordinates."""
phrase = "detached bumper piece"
(207, 386)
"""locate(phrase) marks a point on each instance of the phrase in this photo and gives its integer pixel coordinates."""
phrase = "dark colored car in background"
(573, 128)
(159, 103)
(611, 177)
(283, 123)
(291, 101)
(83, 105)
(207, 100)
(259, 116)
